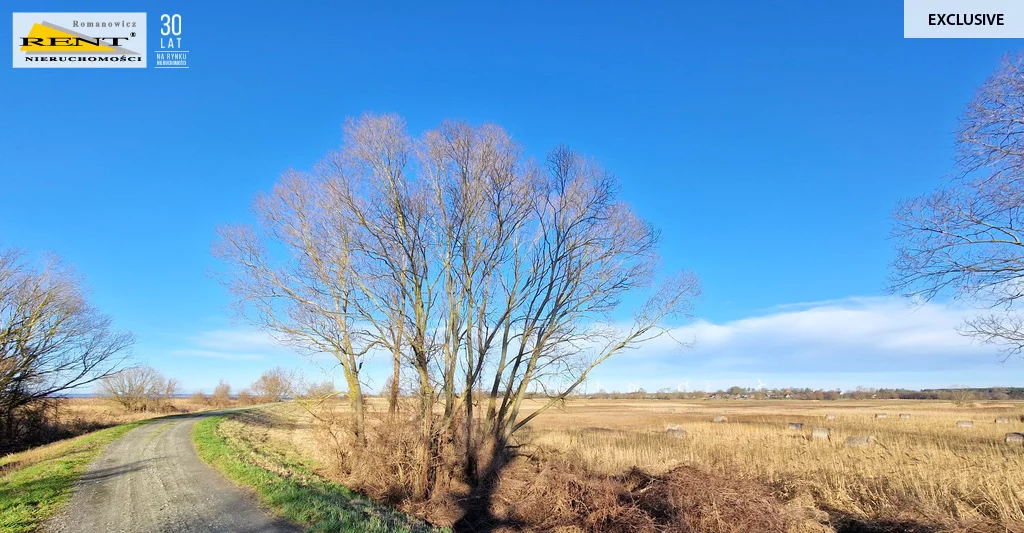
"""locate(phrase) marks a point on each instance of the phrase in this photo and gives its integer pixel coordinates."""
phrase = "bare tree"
(965, 239)
(221, 396)
(274, 385)
(139, 388)
(319, 391)
(961, 396)
(307, 296)
(171, 388)
(490, 276)
(51, 339)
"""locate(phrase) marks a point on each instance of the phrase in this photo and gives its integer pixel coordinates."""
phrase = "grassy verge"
(291, 488)
(34, 483)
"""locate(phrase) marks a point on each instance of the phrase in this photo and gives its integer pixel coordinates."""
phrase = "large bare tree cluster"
(965, 239)
(484, 275)
(51, 339)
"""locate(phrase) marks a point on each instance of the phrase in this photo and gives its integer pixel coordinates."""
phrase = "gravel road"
(151, 480)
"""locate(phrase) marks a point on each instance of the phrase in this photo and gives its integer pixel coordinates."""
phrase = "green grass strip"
(303, 497)
(30, 495)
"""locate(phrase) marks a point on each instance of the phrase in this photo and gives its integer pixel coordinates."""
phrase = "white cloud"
(231, 345)
(236, 339)
(213, 354)
(237, 356)
(847, 332)
(842, 342)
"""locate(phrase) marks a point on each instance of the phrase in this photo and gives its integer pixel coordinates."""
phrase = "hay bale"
(675, 430)
(830, 416)
(859, 441)
(1015, 438)
(904, 416)
(1002, 420)
(821, 433)
(720, 419)
(796, 426)
(881, 415)
(964, 423)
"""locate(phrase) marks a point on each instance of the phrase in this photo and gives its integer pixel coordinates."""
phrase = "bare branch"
(965, 240)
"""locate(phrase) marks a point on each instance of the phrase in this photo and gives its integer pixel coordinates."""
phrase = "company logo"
(79, 40)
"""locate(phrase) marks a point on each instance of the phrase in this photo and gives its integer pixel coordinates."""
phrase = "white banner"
(964, 19)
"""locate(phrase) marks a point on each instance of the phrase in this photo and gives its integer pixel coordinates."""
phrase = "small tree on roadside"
(967, 238)
(171, 388)
(274, 385)
(221, 396)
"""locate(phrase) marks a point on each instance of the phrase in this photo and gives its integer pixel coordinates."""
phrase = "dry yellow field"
(923, 469)
(93, 413)
(82, 415)
(922, 474)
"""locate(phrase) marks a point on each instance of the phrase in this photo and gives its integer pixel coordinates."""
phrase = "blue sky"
(769, 141)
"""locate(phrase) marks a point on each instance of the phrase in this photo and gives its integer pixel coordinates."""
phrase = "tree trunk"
(355, 400)
(396, 376)
(428, 447)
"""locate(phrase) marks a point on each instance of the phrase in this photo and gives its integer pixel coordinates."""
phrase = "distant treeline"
(861, 393)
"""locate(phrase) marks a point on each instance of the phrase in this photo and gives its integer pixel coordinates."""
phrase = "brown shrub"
(551, 495)
(245, 397)
(687, 499)
(33, 424)
(391, 469)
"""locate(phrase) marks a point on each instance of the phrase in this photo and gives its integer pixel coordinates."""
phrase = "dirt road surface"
(151, 481)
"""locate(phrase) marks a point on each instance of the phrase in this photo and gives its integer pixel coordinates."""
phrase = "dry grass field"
(921, 473)
(81, 415)
(922, 470)
(70, 417)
